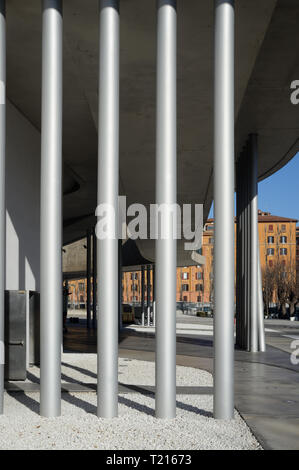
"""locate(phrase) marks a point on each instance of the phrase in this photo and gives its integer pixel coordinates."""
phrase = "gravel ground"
(136, 427)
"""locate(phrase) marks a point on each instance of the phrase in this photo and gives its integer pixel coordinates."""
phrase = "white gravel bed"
(136, 427)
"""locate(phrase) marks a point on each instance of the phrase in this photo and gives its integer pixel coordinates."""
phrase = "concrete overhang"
(267, 41)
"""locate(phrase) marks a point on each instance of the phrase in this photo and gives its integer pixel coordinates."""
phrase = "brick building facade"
(279, 241)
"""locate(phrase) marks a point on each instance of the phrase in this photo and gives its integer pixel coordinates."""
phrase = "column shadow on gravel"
(25, 400)
(182, 406)
(80, 369)
(136, 406)
(84, 405)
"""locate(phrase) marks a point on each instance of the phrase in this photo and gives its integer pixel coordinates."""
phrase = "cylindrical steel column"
(166, 162)
(238, 252)
(148, 294)
(94, 280)
(142, 295)
(247, 268)
(108, 156)
(224, 210)
(254, 245)
(51, 210)
(261, 326)
(2, 189)
(154, 297)
(260, 303)
(88, 278)
(120, 287)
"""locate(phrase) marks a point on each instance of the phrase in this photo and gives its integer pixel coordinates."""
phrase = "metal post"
(148, 294)
(108, 164)
(224, 210)
(120, 286)
(247, 267)
(244, 324)
(260, 304)
(254, 245)
(261, 326)
(2, 189)
(154, 297)
(51, 210)
(94, 280)
(88, 278)
(240, 287)
(142, 295)
(166, 162)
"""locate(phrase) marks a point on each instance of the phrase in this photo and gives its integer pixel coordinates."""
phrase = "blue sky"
(279, 194)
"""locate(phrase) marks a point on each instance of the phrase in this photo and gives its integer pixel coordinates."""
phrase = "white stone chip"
(136, 427)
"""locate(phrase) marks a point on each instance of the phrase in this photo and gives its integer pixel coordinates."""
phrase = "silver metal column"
(51, 210)
(166, 162)
(154, 297)
(108, 155)
(142, 296)
(94, 280)
(88, 278)
(224, 210)
(247, 248)
(148, 294)
(260, 304)
(2, 189)
(250, 309)
(254, 245)
(261, 326)
(120, 287)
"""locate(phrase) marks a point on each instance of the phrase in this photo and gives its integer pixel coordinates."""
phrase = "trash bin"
(34, 328)
(15, 335)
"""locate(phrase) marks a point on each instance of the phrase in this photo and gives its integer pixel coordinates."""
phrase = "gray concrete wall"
(22, 202)
(74, 259)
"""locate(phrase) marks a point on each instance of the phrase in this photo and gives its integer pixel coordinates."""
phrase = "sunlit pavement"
(266, 384)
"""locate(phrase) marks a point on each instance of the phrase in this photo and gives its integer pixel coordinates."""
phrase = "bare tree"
(292, 288)
(285, 286)
(268, 285)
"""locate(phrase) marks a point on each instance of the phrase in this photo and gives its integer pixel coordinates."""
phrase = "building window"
(185, 298)
(283, 251)
(270, 239)
(270, 228)
(134, 276)
(199, 287)
(283, 239)
(270, 251)
(199, 275)
(185, 287)
(283, 228)
(198, 298)
(81, 286)
(210, 227)
(211, 241)
(185, 276)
